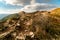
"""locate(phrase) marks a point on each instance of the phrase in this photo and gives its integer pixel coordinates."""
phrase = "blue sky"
(3, 5)
(9, 6)
(49, 1)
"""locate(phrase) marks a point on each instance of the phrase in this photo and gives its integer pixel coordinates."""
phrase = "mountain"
(7, 16)
(56, 12)
(39, 25)
(3, 15)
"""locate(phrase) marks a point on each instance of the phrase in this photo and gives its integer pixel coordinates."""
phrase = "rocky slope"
(39, 25)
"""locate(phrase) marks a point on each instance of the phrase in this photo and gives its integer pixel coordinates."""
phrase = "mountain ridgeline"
(39, 25)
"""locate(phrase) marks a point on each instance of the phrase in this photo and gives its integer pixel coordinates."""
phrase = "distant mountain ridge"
(3, 15)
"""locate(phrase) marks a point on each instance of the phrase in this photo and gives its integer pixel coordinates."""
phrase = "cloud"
(38, 6)
(28, 6)
(19, 2)
(11, 11)
(0, 0)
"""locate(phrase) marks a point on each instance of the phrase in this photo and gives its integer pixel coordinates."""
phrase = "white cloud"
(0, 0)
(33, 2)
(19, 2)
(28, 6)
(2, 11)
(38, 6)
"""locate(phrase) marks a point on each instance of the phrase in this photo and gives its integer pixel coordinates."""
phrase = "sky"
(15, 6)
